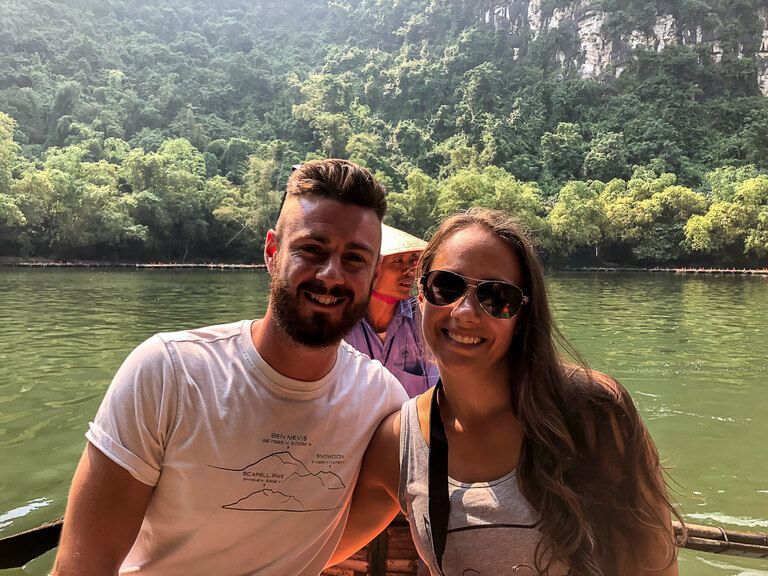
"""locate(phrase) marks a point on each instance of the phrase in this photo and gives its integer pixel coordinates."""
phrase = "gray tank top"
(492, 529)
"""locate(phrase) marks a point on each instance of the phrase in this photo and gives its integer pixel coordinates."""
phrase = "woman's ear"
(420, 302)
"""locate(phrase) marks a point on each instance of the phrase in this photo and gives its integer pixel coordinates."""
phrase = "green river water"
(692, 351)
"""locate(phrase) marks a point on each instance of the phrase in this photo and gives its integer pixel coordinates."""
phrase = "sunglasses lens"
(499, 299)
(442, 288)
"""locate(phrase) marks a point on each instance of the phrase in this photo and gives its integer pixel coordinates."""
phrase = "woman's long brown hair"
(588, 464)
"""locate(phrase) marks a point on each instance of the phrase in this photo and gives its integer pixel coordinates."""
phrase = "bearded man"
(234, 449)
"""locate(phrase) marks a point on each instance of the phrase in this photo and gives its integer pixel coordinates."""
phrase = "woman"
(390, 332)
(517, 462)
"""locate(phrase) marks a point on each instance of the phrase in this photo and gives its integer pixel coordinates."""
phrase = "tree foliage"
(130, 130)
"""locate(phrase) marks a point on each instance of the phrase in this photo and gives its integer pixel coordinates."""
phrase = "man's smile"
(325, 300)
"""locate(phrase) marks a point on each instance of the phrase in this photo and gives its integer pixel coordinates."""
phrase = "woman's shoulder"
(601, 408)
(422, 404)
(584, 385)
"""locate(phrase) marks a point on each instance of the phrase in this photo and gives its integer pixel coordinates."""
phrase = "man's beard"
(317, 331)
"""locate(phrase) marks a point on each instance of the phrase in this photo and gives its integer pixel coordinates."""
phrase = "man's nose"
(331, 272)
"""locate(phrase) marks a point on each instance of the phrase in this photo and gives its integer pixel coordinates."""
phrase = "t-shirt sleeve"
(395, 393)
(138, 413)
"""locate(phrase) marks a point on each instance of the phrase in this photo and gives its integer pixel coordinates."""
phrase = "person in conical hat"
(390, 331)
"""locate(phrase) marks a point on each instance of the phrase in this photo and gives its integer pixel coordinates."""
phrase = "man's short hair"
(339, 180)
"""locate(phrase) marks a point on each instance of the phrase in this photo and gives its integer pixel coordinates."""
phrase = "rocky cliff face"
(762, 55)
(601, 52)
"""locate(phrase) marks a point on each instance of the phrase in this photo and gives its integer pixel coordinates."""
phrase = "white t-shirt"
(253, 471)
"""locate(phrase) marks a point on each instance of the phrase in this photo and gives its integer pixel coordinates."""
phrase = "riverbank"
(714, 271)
(41, 263)
(21, 263)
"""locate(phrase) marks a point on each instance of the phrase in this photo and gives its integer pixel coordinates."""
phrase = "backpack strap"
(439, 504)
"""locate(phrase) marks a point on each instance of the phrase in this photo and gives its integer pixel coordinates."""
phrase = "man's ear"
(270, 250)
(376, 272)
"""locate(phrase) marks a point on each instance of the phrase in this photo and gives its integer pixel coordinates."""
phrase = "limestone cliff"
(603, 46)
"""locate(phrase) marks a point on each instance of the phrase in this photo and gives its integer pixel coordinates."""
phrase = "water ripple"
(6, 518)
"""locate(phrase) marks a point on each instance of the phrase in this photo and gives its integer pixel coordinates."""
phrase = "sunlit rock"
(603, 51)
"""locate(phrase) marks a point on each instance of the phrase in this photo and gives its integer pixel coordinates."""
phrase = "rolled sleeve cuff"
(138, 468)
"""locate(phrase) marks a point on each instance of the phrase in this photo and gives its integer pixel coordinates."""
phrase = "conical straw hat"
(394, 241)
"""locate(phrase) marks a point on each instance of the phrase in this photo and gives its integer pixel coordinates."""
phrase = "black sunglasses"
(497, 298)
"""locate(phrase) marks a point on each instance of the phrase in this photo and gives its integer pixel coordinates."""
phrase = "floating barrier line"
(152, 265)
(221, 266)
(711, 271)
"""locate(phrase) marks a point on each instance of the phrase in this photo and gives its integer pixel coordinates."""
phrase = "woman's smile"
(465, 341)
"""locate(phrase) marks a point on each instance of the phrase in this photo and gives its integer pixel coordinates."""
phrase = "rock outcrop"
(600, 52)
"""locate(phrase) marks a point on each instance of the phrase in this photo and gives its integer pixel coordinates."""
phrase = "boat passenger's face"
(397, 274)
(322, 267)
(462, 336)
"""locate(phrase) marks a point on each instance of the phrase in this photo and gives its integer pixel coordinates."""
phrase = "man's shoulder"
(165, 355)
(205, 335)
(349, 353)
(372, 373)
(185, 345)
(353, 359)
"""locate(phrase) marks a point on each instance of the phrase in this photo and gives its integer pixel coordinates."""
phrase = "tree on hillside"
(731, 229)
(167, 192)
(8, 151)
(721, 183)
(607, 157)
(577, 219)
(166, 119)
(12, 220)
(661, 221)
(562, 152)
(248, 212)
(413, 209)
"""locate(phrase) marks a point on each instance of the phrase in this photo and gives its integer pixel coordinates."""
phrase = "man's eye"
(311, 249)
(356, 258)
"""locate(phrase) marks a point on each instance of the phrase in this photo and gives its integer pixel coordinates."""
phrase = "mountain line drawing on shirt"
(290, 478)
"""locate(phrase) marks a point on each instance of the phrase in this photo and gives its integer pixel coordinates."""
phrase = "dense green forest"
(135, 130)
